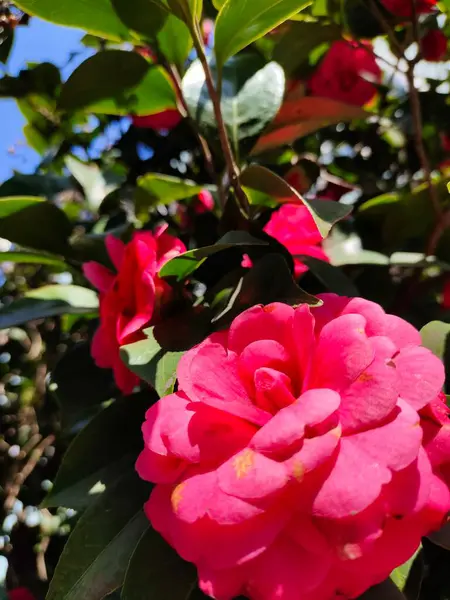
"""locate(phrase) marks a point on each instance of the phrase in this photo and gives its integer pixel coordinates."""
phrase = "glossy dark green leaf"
(48, 301)
(48, 185)
(241, 22)
(95, 558)
(293, 48)
(185, 264)
(188, 11)
(95, 183)
(145, 17)
(6, 41)
(166, 575)
(383, 591)
(79, 385)
(101, 453)
(33, 258)
(152, 363)
(155, 188)
(409, 576)
(269, 280)
(41, 80)
(265, 186)
(333, 278)
(98, 18)
(252, 93)
(442, 537)
(117, 82)
(36, 224)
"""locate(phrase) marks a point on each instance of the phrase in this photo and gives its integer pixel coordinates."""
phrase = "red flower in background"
(342, 75)
(131, 298)
(434, 45)
(402, 8)
(20, 594)
(293, 226)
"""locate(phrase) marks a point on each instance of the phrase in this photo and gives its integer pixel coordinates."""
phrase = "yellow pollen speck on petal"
(364, 377)
(298, 470)
(243, 463)
(177, 496)
(360, 331)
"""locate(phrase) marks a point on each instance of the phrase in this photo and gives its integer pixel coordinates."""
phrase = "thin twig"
(232, 167)
(13, 488)
(41, 567)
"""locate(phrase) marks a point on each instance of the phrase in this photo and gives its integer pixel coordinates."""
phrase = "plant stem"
(232, 167)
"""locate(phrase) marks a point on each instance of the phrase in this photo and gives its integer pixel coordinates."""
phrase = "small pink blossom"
(293, 226)
(130, 299)
(305, 453)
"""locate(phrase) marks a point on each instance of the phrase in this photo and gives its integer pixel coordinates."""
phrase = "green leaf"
(96, 185)
(435, 337)
(6, 41)
(166, 575)
(35, 223)
(188, 11)
(146, 17)
(408, 577)
(268, 186)
(151, 363)
(94, 560)
(117, 82)
(185, 264)
(269, 280)
(48, 185)
(98, 18)
(241, 22)
(32, 258)
(48, 301)
(299, 117)
(100, 453)
(11, 205)
(154, 188)
(293, 49)
(175, 41)
(442, 537)
(139, 357)
(79, 385)
(252, 93)
(383, 591)
(333, 278)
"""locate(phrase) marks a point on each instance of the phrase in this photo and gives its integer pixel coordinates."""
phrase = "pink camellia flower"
(130, 299)
(293, 226)
(305, 453)
(402, 8)
(344, 72)
(434, 45)
(20, 594)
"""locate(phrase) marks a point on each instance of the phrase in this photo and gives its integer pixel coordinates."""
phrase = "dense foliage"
(209, 157)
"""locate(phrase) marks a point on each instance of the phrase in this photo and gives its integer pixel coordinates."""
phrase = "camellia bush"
(225, 306)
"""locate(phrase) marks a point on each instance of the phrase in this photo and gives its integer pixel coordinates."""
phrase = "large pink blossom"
(130, 299)
(403, 8)
(293, 226)
(305, 453)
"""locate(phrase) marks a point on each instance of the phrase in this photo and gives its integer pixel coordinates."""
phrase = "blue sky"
(40, 41)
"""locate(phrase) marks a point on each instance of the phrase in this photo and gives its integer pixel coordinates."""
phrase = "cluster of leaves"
(99, 175)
